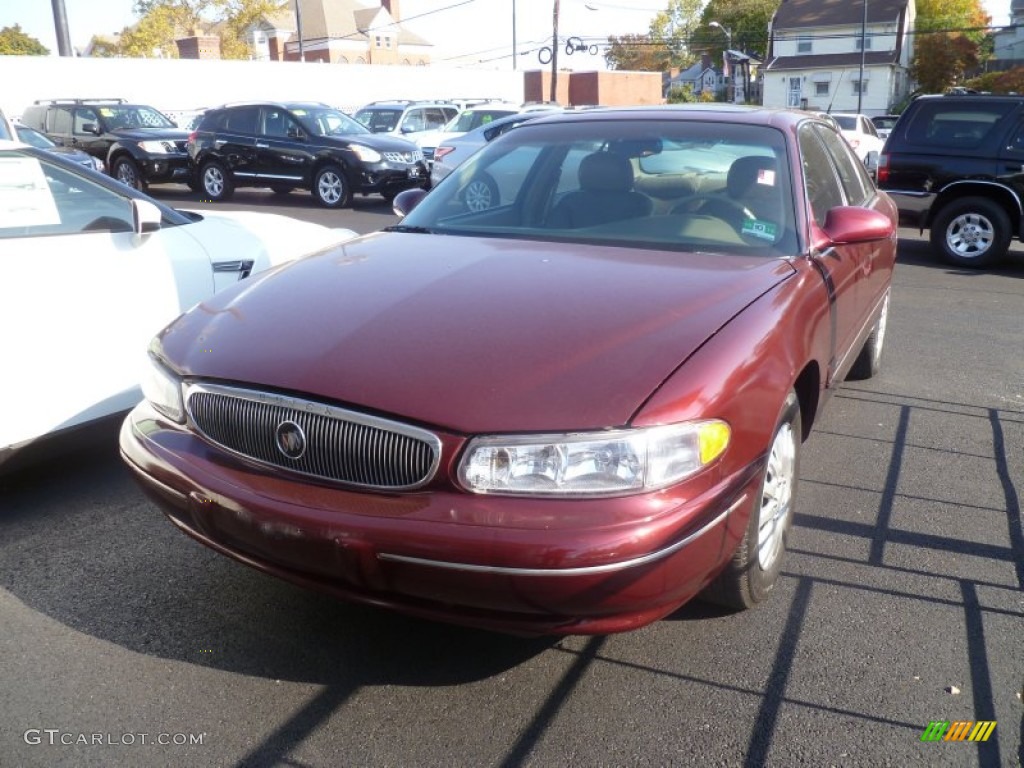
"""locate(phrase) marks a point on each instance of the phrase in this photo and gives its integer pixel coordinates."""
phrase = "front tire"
(754, 569)
(127, 172)
(216, 182)
(331, 188)
(869, 361)
(972, 232)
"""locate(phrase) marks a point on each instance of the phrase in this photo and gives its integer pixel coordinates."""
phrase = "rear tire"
(216, 182)
(751, 574)
(971, 232)
(869, 361)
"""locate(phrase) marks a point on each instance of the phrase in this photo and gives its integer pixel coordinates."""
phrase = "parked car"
(139, 144)
(405, 118)
(953, 166)
(456, 149)
(91, 269)
(883, 124)
(34, 138)
(465, 121)
(7, 131)
(860, 132)
(564, 414)
(299, 145)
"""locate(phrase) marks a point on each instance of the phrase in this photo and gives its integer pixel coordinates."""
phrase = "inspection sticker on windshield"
(763, 230)
(766, 176)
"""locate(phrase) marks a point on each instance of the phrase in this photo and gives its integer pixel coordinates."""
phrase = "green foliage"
(747, 20)
(665, 45)
(1010, 81)
(949, 42)
(14, 42)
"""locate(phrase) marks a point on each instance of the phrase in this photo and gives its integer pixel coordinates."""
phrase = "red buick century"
(568, 407)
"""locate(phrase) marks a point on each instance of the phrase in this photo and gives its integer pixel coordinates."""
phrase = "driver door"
(81, 295)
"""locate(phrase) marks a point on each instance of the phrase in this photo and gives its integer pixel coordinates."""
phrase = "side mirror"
(848, 224)
(406, 200)
(146, 217)
(90, 128)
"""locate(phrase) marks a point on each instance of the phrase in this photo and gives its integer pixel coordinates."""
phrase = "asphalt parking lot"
(123, 643)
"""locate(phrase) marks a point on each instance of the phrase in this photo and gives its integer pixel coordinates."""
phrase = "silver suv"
(405, 118)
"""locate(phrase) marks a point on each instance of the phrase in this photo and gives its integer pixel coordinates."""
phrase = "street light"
(730, 90)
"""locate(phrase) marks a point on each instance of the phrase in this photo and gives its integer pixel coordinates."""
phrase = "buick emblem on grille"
(290, 439)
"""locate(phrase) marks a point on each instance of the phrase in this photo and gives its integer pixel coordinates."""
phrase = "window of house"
(859, 86)
(865, 41)
(803, 45)
(821, 89)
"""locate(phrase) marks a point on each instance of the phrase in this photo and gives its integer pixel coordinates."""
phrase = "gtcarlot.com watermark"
(57, 737)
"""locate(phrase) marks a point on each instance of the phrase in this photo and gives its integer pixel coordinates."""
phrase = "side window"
(413, 121)
(51, 200)
(1016, 140)
(83, 116)
(852, 175)
(823, 190)
(275, 123)
(58, 120)
(242, 120)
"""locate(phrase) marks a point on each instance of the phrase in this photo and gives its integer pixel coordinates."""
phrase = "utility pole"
(514, 47)
(554, 54)
(60, 23)
(298, 28)
(863, 40)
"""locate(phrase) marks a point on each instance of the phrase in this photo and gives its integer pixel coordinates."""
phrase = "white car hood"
(268, 239)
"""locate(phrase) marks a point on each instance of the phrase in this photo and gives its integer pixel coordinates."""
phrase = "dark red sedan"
(569, 412)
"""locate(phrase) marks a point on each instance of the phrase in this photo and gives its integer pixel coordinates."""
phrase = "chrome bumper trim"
(582, 571)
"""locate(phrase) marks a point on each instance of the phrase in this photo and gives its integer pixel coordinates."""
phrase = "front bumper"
(159, 169)
(411, 553)
(386, 178)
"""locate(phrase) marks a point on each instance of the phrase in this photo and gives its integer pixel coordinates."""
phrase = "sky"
(464, 32)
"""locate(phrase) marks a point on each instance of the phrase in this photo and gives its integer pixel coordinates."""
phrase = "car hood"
(472, 335)
(152, 134)
(382, 142)
(268, 239)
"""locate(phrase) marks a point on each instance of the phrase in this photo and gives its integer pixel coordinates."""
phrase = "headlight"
(163, 391)
(365, 154)
(592, 463)
(155, 147)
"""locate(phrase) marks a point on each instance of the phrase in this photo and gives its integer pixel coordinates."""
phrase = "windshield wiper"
(410, 229)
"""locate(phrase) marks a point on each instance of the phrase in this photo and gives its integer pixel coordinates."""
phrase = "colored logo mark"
(958, 730)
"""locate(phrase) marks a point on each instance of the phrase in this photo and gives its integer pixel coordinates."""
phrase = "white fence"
(178, 85)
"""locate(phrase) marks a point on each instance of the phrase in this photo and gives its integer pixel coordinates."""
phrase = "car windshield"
(118, 118)
(33, 137)
(846, 122)
(379, 120)
(324, 121)
(671, 184)
(473, 118)
(884, 122)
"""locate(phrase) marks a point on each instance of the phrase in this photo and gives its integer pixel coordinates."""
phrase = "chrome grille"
(403, 157)
(340, 445)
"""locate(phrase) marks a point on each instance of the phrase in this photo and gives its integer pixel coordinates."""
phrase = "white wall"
(182, 84)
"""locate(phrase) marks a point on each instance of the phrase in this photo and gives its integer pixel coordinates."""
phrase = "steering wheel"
(720, 207)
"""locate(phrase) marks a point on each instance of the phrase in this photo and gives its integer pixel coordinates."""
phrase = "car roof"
(707, 112)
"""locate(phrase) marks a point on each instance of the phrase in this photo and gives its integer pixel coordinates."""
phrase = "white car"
(450, 153)
(465, 121)
(861, 134)
(91, 269)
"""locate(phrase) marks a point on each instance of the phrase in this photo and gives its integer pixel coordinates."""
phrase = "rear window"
(957, 126)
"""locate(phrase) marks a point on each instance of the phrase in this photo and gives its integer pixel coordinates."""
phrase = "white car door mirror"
(146, 216)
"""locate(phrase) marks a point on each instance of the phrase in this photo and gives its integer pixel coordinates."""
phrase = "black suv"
(139, 144)
(285, 146)
(955, 164)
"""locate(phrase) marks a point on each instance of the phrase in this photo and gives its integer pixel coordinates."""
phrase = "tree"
(14, 42)
(747, 20)
(949, 35)
(665, 45)
(165, 21)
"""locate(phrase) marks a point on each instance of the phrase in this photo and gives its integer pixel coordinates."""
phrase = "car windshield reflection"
(666, 184)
